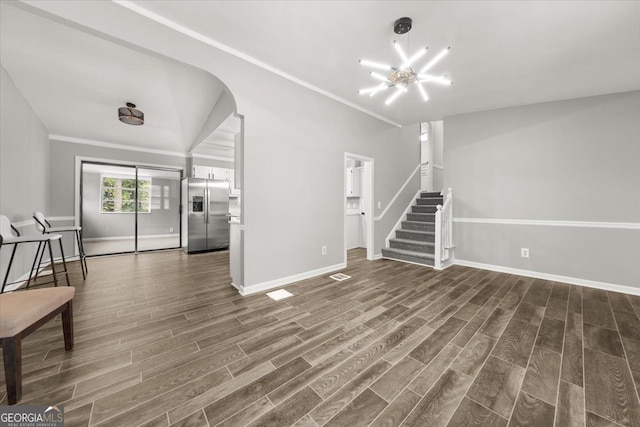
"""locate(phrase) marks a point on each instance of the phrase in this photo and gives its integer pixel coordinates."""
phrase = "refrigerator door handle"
(206, 203)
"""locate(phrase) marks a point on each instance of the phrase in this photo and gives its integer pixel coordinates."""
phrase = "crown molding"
(206, 156)
(241, 55)
(84, 141)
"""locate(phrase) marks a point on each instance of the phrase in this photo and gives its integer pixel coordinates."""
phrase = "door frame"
(79, 160)
(368, 164)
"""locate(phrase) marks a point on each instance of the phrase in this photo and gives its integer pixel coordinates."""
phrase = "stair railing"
(444, 231)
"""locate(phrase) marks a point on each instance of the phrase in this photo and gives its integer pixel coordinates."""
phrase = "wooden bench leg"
(67, 326)
(12, 355)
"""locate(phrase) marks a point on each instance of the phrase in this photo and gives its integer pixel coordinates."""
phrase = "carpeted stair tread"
(429, 201)
(427, 194)
(410, 241)
(412, 245)
(411, 256)
(424, 209)
(421, 217)
(418, 226)
(422, 235)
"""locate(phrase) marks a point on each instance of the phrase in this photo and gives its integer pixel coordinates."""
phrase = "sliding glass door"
(129, 208)
(158, 209)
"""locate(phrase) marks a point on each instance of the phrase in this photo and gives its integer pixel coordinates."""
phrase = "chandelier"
(405, 75)
(130, 115)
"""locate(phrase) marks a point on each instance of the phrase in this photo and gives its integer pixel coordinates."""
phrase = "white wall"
(437, 129)
(572, 160)
(63, 158)
(294, 145)
(24, 171)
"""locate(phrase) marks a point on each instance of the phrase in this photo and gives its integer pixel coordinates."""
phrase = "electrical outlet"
(524, 252)
(379, 205)
(324, 250)
(170, 229)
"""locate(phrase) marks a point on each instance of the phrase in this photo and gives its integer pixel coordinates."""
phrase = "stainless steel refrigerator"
(205, 204)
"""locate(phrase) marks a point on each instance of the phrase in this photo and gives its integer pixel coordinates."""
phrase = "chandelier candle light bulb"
(423, 92)
(398, 48)
(393, 97)
(414, 58)
(378, 76)
(435, 60)
(403, 76)
(383, 86)
(378, 65)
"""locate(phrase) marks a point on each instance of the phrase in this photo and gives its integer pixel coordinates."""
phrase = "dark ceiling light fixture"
(404, 75)
(130, 115)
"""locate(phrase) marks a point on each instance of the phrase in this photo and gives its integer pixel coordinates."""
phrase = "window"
(118, 194)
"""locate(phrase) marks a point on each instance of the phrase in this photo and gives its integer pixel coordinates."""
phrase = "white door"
(364, 206)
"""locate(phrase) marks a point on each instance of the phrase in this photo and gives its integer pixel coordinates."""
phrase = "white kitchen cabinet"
(200, 171)
(209, 172)
(354, 178)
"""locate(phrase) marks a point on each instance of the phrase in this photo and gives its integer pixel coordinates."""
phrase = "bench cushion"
(19, 310)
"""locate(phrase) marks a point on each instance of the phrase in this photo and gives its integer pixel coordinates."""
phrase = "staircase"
(415, 240)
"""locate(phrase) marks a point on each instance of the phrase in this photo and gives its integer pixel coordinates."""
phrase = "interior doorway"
(358, 204)
(129, 208)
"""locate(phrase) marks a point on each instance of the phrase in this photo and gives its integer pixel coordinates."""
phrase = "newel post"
(437, 256)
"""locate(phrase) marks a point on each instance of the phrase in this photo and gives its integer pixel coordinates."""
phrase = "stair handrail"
(444, 230)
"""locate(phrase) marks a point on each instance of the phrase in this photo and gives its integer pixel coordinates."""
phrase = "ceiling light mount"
(402, 25)
(130, 115)
(404, 75)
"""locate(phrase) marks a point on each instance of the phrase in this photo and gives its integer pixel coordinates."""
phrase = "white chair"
(45, 227)
(9, 235)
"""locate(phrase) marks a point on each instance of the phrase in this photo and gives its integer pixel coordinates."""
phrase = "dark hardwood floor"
(163, 339)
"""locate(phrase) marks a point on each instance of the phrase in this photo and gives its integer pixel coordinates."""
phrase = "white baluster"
(437, 259)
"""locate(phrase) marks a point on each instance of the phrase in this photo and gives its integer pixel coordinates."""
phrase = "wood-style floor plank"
(543, 374)
(572, 366)
(471, 413)
(163, 339)
(530, 411)
(609, 388)
(496, 386)
(439, 404)
(397, 410)
(516, 343)
(570, 409)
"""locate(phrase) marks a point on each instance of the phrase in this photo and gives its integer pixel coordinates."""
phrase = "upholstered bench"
(23, 312)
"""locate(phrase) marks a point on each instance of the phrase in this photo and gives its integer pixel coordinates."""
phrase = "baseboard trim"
(237, 287)
(553, 277)
(150, 236)
(264, 286)
(377, 256)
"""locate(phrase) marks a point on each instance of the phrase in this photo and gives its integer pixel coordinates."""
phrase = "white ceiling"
(221, 141)
(75, 83)
(503, 53)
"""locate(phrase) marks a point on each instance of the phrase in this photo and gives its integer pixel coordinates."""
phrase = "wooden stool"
(23, 312)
